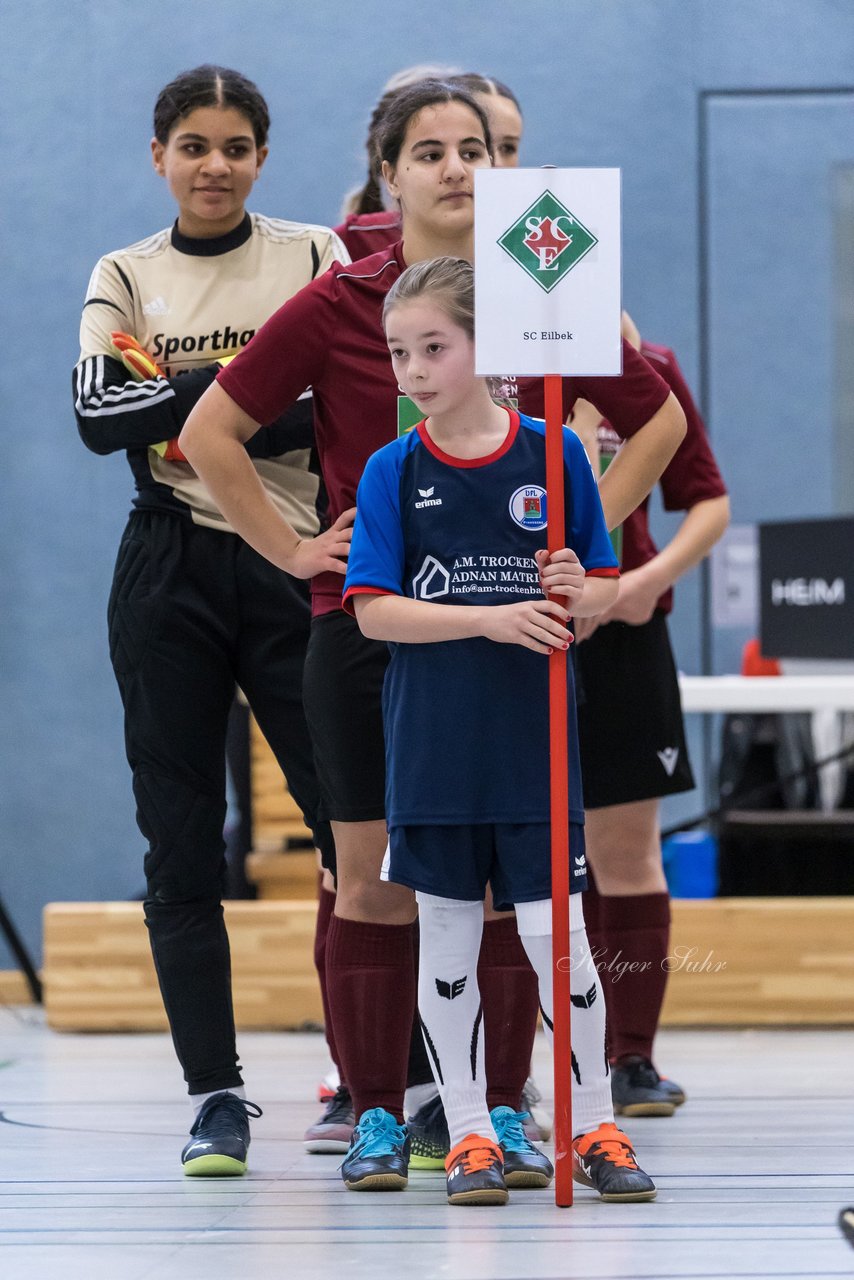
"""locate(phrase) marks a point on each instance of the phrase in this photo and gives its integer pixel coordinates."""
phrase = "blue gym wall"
(602, 82)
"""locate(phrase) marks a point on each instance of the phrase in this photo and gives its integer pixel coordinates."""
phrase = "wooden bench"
(99, 976)
(761, 961)
(14, 988)
(736, 962)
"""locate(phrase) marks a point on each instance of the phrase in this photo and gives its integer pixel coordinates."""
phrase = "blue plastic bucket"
(691, 864)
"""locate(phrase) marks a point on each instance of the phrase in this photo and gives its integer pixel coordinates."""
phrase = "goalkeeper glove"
(135, 358)
(142, 366)
(170, 450)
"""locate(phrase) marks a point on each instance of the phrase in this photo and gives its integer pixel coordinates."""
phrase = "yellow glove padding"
(142, 366)
(135, 358)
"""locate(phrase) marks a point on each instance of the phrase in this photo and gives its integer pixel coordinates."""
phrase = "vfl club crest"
(547, 241)
(528, 507)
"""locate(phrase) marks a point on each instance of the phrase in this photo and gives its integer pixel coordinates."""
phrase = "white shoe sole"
(326, 1146)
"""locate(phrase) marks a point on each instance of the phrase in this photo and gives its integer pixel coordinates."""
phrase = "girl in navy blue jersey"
(449, 564)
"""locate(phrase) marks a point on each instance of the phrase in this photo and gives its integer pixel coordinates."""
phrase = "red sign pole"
(558, 730)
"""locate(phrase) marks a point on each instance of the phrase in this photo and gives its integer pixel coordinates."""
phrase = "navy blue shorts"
(459, 862)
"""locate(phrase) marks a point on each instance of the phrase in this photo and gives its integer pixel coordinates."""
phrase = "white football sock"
(198, 1100)
(450, 1010)
(591, 1082)
(416, 1095)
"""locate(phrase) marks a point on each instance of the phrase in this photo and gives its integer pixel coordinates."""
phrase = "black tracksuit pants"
(192, 612)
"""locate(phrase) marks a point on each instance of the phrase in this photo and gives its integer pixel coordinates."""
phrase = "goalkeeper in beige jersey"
(193, 610)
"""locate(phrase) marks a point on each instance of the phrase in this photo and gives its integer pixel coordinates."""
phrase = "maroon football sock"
(325, 907)
(634, 933)
(510, 996)
(371, 985)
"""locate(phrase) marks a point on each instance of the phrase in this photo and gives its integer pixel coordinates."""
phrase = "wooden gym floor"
(752, 1172)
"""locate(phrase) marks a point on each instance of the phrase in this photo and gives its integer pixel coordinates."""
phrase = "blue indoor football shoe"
(524, 1164)
(378, 1158)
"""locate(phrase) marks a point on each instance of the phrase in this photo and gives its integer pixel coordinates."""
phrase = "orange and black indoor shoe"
(475, 1170)
(605, 1160)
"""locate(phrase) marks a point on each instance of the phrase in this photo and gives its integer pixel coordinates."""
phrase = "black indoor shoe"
(334, 1130)
(475, 1170)
(605, 1160)
(219, 1139)
(638, 1090)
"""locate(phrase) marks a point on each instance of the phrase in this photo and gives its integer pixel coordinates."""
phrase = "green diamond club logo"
(547, 241)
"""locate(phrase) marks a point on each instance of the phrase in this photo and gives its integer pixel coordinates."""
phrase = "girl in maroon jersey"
(511, 1005)
(633, 744)
(369, 225)
(512, 1000)
(630, 915)
(433, 140)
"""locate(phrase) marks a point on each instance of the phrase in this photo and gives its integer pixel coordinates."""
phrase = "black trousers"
(192, 612)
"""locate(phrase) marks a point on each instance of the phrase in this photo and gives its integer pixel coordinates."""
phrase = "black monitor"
(806, 588)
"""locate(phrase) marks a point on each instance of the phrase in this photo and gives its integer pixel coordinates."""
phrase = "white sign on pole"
(547, 272)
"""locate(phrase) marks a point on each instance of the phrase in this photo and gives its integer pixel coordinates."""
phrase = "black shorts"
(342, 693)
(630, 715)
(458, 862)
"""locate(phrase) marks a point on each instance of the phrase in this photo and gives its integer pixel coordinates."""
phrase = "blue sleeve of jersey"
(587, 531)
(376, 557)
